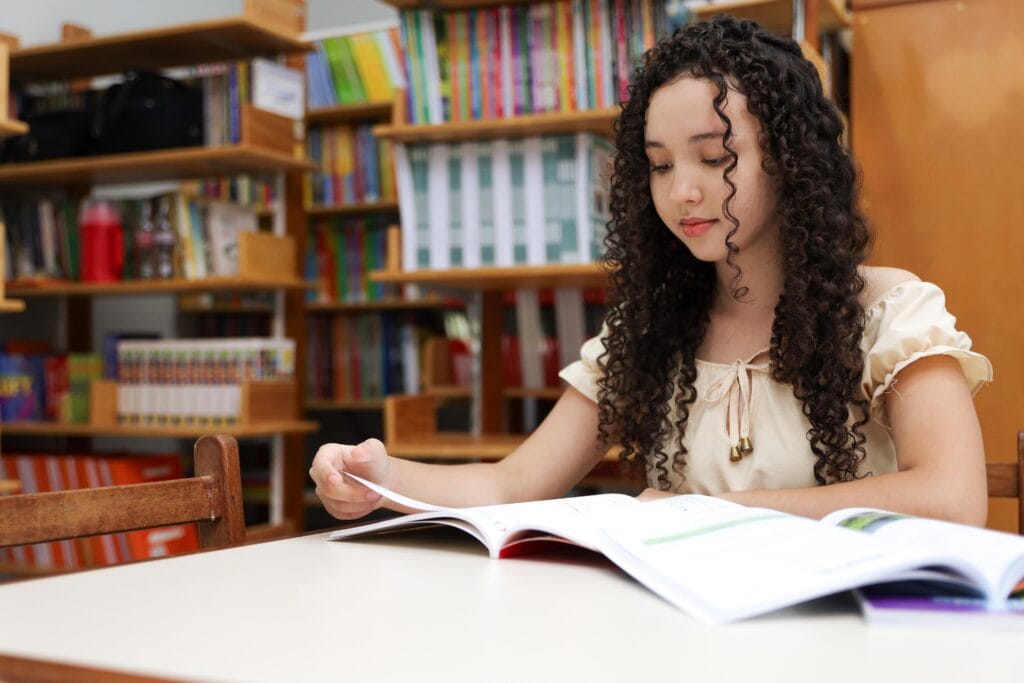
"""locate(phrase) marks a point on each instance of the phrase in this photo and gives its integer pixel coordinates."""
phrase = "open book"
(720, 561)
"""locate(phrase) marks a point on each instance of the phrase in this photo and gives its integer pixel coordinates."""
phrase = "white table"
(431, 606)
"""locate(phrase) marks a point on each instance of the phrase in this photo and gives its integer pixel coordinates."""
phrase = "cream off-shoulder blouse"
(747, 431)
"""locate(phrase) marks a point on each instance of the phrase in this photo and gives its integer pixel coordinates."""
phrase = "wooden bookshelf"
(9, 486)
(389, 305)
(165, 164)
(776, 15)
(543, 393)
(9, 127)
(598, 121)
(456, 446)
(501, 278)
(224, 309)
(11, 306)
(219, 40)
(365, 404)
(452, 4)
(173, 286)
(349, 113)
(42, 428)
(387, 206)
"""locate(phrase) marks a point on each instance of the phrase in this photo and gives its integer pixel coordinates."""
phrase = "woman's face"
(683, 141)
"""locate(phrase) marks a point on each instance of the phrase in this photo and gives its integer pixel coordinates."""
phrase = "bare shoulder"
(880, 279)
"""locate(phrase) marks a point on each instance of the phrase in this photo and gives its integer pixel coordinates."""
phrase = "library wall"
(932, 130)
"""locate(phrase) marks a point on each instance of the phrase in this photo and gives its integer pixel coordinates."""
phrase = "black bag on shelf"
(59, 128)
(147, 111)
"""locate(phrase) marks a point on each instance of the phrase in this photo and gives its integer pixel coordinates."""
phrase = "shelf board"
(597, 121)
(11, 306)
(228, 309)
(776, 15)
(458, 446)
(164, 164)
(454, 446)
(543, 393)
(188, 432)
(219, 40)
(9, 485)
(133, 287)
(10, 127)
(495, 278)
(388, 305)
(386, 206)
(346, 113)
(368, 404)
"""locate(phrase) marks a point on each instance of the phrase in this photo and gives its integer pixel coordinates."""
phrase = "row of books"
(41, 473)
(256, 192)
(352, 69)
(195, 381)
(532, 201)
(340, 254)
(353, 166)
(365, 356)
(495, 62)
(47, 386)
(169, 235)
(543, 332)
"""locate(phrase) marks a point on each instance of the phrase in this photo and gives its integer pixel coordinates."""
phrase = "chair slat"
(87, 512)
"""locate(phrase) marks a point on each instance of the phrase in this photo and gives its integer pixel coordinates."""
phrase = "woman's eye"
(715, 162)
(659, 168)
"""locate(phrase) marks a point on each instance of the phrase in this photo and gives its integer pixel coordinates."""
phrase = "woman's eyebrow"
(699, 137)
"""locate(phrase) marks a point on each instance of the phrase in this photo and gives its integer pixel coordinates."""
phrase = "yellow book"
(371, 68)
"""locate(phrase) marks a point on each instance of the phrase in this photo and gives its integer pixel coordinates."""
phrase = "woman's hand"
(342, 496)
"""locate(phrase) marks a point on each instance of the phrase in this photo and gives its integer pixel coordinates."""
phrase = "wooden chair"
(1006, 480)
(213, 498)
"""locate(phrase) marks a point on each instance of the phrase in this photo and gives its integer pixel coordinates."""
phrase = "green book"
(343, 70)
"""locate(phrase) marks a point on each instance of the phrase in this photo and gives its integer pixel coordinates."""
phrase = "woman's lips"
(696, 229)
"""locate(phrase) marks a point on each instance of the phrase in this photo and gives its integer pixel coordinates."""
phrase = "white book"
(406, 206)
(470, 205)
(584, 226)
(437, 203)
(720, 562)
(224, 224)
(533, 167)
(570, 324)
(502, 201)
(531, 339)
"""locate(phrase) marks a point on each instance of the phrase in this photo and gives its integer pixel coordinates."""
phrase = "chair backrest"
(1006, 480)
(213, 498)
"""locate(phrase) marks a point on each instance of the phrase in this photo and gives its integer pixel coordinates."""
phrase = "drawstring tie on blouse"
(739, 390)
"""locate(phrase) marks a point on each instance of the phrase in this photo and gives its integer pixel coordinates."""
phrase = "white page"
(720, 561)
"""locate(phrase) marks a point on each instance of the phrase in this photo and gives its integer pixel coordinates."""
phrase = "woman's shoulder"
(880, 280)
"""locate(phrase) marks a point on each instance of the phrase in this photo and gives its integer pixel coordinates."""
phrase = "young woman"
(747, 353)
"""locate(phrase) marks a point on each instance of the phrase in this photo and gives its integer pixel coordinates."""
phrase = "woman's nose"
(684, 190)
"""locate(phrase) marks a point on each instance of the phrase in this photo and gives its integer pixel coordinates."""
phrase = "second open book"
(720, 561)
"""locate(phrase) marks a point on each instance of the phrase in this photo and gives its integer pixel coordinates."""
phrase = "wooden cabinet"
(937, 105)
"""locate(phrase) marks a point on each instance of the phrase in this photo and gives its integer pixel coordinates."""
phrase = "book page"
(497, 526)
(721, 561)
(992, 559)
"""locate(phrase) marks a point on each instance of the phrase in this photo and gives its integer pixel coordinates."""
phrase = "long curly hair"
(661, 294)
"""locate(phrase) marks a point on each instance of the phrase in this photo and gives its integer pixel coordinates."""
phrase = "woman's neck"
(761, 278)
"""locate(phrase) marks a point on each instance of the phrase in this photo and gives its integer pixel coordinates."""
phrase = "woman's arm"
(547, 464)
(939, 450)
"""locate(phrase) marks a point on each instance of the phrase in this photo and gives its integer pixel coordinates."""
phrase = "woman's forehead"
(684, 107)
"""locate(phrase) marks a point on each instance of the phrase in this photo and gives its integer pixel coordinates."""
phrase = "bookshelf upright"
(267, 144)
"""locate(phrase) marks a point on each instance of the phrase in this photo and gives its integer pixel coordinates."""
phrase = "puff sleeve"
(910, 322)
(584, 373)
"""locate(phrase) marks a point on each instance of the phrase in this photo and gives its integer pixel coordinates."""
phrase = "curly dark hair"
(661, 294)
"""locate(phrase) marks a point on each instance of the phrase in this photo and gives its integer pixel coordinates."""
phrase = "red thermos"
(102, 242)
